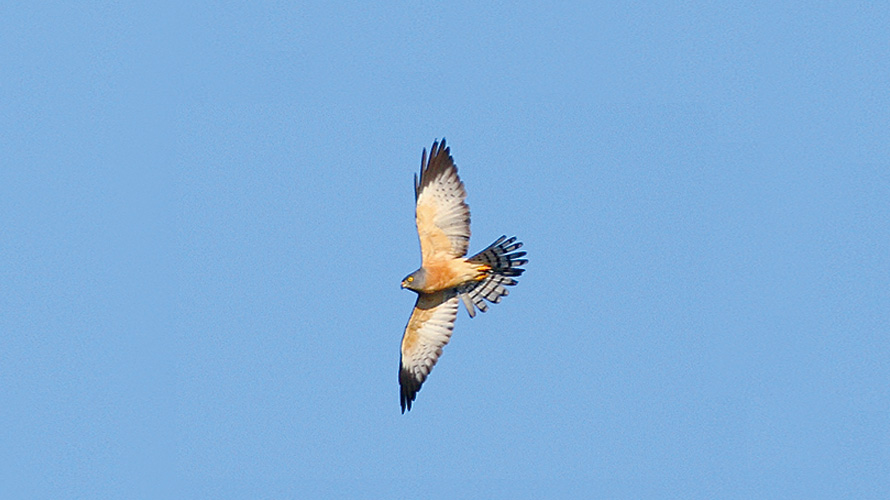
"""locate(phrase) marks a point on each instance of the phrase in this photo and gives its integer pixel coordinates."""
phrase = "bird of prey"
(445, 275)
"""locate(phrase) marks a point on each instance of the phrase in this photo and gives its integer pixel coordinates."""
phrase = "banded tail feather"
(504, 261)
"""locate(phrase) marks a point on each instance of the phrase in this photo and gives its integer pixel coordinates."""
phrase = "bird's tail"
(504, 261)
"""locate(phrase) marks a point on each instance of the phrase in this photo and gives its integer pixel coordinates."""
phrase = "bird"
(446, 276)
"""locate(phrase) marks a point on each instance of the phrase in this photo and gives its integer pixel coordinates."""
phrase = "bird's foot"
(484, 270)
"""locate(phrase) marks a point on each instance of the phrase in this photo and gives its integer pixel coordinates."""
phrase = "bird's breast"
(445, 274)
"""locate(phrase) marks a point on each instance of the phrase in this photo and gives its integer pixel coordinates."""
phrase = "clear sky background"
(206, 211)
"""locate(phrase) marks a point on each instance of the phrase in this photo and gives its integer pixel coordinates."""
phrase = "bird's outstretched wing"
(428, 330)
(443, 217)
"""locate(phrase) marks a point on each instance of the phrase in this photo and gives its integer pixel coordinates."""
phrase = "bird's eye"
(410, 279)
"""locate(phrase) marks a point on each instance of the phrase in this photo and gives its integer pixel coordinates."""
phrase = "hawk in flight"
(445, 275)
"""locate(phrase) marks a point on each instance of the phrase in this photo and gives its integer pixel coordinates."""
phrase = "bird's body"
(446, 276)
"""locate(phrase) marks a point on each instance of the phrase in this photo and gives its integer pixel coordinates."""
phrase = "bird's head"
(415, 280)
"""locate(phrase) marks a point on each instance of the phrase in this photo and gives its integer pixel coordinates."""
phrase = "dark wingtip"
(408, 387)
(405, 400)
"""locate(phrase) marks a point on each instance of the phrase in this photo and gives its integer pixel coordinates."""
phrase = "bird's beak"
(403, 284)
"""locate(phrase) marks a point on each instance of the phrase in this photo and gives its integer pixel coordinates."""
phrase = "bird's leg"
(484, 270)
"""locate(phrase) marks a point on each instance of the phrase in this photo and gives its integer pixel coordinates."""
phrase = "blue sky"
(205, 213)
